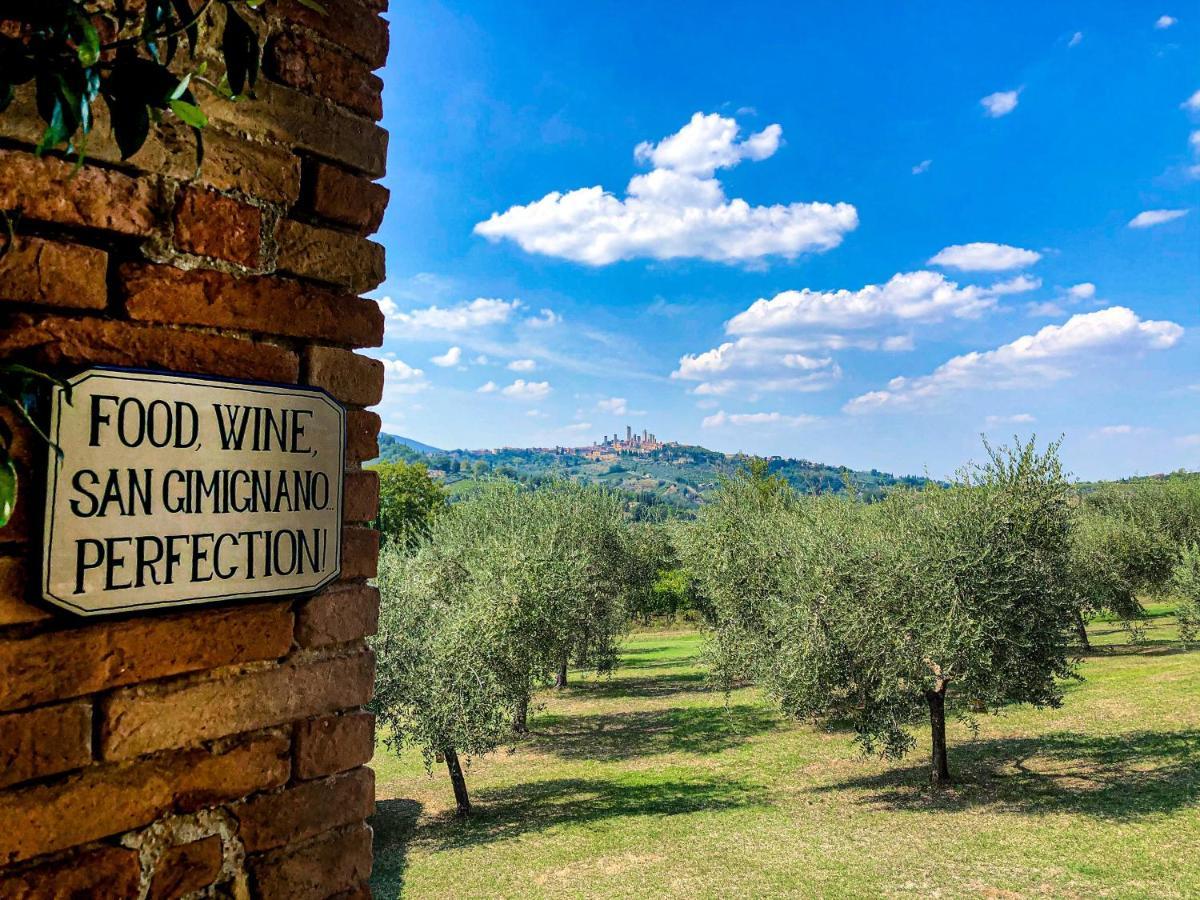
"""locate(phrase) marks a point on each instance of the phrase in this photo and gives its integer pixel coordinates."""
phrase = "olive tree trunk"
(462, 801)
(939, 773)
(521, 716)
(560, 680)
(1081, 630)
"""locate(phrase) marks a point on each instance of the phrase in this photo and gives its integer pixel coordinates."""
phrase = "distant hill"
(672, 480)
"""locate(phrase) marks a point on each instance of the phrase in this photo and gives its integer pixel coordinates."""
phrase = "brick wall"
(160, 755)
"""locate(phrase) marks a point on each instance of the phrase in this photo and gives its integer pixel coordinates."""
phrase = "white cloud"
(1116, 430)
(1076, 39)
(1192, 103)
(1015, 419)
(1085, 290)
(921, 296)
(922, 167)
(527, 390)
(983, 256)
(447, 359)
(999, 104)
(466, 316)
(480, 360)
(1151, 217)
(614, 405)
(721, 418)
(521, 365)
(488, 387)
(898, 343)
(401, 378)
(678, 209)
(1047, 309)
(577, 427)
(1021, 284)
(1053, 353)
(1164, 22)
(545, 318)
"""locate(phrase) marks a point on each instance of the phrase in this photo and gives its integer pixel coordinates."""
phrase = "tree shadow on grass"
(394, 823)
(643, 686)
(504, 813)
(628, 734)
(1147, 647)
(1122, 776)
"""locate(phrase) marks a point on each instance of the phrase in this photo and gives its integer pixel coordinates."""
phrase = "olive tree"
(1185, 582)
(876, 613)
(409, 500)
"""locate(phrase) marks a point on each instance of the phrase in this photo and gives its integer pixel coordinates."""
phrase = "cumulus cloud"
(1022, 284)
(465, 316)
(1164, 22)
(545, 318)
(614, 405)
(1151, 217)
(753, 365)
(1046, 310)
(488, 387)
(522, 365)
(1085, 290)
(1053, 353)
(1192, 103)
(999, 104)
(922, 167)
(401, 378)
(527, 390)
(983, 256)
(721, 418)
(450, 358)
(676, 210)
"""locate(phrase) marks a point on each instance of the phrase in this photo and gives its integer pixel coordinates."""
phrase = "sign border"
(54, 464)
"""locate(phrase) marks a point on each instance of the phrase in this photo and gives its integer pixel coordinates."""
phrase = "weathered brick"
(186, 868)
(56, 341)
(331, 256)
(45, 741)
(360, 496)
(340, 196)
(351, 378)
(362, 435)
(301, 62)
(335, 861)
(255, 303)
(94, 657)
(211, 224)
(346, 23)
(106, 872)
(53, 274)
(15, 608)
(345, 612)
(298, 813)
(48, 189)
(360, 552)
(141, 720)
(291, 117)
(332, 744)
(104, 800)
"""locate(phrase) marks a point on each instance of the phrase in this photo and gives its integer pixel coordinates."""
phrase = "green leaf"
(88, 50)
(239, 46)
(189, 113)
(314, 6)
(180, 88)
(185, 13)
(8, 487)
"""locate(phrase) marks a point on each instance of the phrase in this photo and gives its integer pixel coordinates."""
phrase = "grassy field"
(648, 784)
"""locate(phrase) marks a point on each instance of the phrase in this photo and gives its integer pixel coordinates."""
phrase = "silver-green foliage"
(1185, 582)
(861, 611)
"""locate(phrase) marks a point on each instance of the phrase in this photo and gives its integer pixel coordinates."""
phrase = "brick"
(51, 273)
(186, 868)
(353, 379)
(346, 23)
(90, 658)
(14, 589)
(211, 224)
(231, 163)
(362, 435)
(55, 341)
(142, 720)
(307, 65)
(331, 256)
(360, 552)
(298, 813)
(107, 872)
(255, 303)
(335, 861)
(360, 496)
(345, 612)
(332, 744)
(288, 116)
(49, 189)
(345, 198)
(104, 800)
(45, 741)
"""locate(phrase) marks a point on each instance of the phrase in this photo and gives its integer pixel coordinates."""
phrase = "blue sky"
(860, 234)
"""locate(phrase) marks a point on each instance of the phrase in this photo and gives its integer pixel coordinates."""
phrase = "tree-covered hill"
(676, 477)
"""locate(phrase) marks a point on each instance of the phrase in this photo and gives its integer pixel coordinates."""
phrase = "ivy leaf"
(189, 113)
(8, 487)
(239, 46)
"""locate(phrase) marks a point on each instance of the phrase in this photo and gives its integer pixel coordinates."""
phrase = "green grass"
(648, 784)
